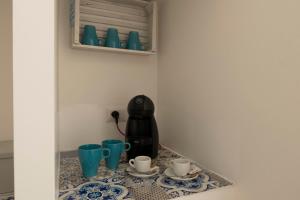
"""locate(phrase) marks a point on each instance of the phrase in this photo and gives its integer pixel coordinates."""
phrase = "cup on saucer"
(181, 167)
(142, 164)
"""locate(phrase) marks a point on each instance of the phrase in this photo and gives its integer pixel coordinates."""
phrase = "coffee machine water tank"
(141, 129)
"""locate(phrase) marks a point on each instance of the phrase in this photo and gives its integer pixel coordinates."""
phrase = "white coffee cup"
(181, 166)
(141, 164)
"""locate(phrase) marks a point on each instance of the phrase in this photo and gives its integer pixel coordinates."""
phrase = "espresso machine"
(141, 128)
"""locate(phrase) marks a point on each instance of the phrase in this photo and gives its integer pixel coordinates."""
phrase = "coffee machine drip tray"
(141, 147)
(141, 141)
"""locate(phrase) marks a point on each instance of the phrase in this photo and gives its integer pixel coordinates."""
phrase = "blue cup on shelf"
(116, 147)
(133, 42)
(112, 38)
(90, 156)
(89, 36)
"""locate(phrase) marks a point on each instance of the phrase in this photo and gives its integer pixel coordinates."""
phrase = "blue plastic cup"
(90, 156)
(112, 38)
(116, 147)
(133, 42)
(90, 36)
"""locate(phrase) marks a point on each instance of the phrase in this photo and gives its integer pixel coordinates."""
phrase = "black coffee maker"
(141, 129)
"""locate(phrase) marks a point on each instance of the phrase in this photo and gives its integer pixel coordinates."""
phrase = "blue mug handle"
(128, 146)
(107, 154)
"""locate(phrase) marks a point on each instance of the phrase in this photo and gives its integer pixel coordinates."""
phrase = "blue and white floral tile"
(199, 184)
(71, 179)
(70, 173)
(175, 193)
(96, 191)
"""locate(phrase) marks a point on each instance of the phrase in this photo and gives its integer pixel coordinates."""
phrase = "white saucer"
(131, 171)
(170, 173)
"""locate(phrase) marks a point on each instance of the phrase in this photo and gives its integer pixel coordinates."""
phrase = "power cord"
(116, 115)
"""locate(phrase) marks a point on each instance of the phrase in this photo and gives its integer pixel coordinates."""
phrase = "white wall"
(90, 82)
(6, 124)
(34, 99)
(228, 90)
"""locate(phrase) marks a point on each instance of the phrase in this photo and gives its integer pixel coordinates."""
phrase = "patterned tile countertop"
(117, 185)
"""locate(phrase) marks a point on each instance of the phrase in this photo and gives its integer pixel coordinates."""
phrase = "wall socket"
(122, 111)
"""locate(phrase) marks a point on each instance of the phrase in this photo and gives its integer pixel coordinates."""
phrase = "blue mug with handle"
(90, 36)
(133, 42)
(90, 156)
(112, 38)
(116, 147)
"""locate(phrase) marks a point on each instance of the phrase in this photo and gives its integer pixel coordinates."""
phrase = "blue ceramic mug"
(112, 38)
(116, 147)
(133, 42)
(90, 156)
(90, 36)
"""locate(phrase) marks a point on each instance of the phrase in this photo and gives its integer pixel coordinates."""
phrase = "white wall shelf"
(115, 50)
(125, 15)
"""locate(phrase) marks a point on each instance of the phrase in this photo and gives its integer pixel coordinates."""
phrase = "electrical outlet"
(122, 111)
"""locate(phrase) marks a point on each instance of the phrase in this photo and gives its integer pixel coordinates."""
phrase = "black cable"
(120, 131)
(116, 115)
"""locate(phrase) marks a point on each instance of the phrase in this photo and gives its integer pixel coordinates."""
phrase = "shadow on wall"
(6, 100)
(6, 122)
